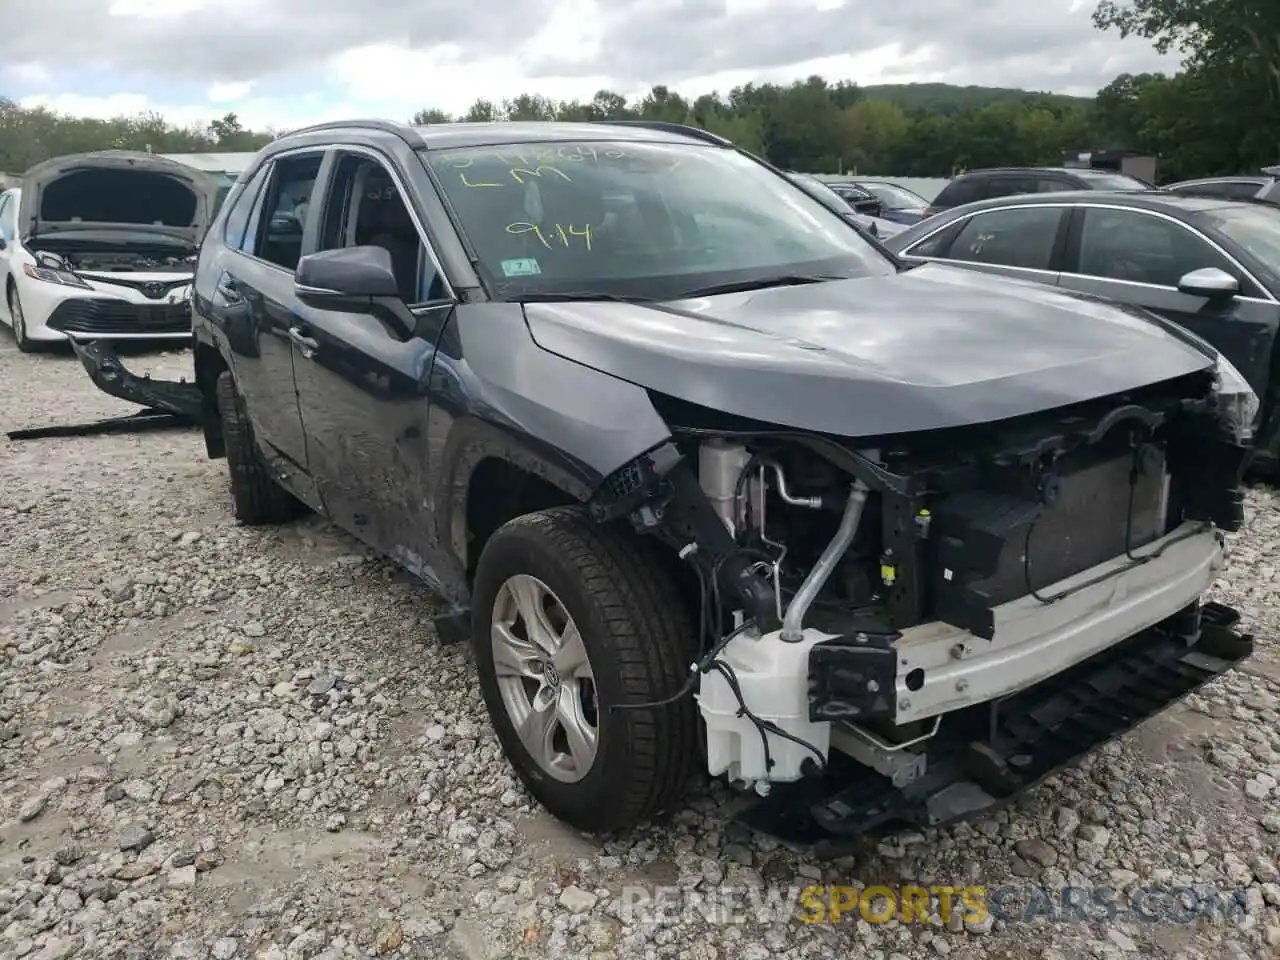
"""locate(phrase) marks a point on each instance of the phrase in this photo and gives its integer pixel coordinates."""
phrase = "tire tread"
(650, 634)
(258, 500)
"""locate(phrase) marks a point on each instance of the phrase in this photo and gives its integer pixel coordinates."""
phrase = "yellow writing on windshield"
(518, 173)
(481, 183)
(564, 234)
(533, 158)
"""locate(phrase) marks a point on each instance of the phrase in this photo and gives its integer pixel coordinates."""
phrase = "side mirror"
(355, 280)
(1209, 282)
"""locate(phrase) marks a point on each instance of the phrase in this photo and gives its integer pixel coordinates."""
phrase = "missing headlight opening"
(912, 603)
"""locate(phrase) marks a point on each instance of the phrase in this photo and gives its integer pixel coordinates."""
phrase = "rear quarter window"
(957, 192)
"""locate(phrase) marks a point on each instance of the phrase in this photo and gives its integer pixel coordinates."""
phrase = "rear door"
(1024, 241)
(1139, 256)
(252, 304)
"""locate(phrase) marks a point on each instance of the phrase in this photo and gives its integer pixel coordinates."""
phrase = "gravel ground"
(221, 742)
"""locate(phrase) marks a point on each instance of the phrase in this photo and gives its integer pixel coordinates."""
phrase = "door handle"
(306, 345)
(228, 287)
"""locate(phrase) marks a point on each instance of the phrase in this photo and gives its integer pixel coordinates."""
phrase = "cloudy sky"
(283, 63)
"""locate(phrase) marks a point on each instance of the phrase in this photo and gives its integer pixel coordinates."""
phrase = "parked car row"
(707, 477)
(1212, 266)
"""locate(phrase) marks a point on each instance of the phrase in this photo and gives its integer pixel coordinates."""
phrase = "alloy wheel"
(544, 678)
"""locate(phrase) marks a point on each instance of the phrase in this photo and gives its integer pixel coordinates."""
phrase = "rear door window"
(1053, 184)
(241, 209)
(1024, 238)
(1242, 189)
(958, 192)
(1011, 186)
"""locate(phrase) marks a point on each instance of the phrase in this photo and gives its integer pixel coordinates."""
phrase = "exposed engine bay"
(881, 602)
(124, 259)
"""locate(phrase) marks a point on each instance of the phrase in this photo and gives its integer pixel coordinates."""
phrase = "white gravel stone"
(264, 715)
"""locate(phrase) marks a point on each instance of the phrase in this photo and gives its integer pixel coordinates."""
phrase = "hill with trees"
(1220, 114)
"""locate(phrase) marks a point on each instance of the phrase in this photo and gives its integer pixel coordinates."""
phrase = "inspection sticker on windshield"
(521, 268)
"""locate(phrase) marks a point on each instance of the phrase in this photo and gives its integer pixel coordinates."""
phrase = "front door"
(1138, 257)
(362, 391)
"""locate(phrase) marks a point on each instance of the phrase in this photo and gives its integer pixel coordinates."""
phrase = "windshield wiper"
(763, 283)
(576, 295)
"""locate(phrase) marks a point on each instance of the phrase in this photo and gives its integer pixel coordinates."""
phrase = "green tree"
(1232, 48)
(431, 115)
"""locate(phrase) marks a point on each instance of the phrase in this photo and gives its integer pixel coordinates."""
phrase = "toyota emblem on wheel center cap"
(550, 674)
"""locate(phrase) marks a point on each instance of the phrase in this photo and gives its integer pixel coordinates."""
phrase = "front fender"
(497, 395)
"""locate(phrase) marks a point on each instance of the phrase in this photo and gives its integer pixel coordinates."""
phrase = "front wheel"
(18, 321)
(569, 621)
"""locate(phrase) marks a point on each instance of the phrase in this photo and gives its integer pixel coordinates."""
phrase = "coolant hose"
(793, 620)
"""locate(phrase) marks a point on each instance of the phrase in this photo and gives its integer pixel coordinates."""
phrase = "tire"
(19, 324)
(638, 642)
(257, 499)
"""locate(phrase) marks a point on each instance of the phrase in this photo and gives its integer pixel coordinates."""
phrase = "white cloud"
(28, 75)
(229, 92)
(398, 56)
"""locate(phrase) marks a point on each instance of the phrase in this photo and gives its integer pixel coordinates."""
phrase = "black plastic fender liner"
(987, 755)
(177, 398)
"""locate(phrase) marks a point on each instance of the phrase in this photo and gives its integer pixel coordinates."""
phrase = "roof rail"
(684, 129)
(401, 130)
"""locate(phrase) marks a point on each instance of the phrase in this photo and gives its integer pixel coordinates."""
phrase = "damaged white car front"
(103, 246)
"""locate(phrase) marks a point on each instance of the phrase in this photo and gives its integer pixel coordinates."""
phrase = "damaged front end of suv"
(913, 628)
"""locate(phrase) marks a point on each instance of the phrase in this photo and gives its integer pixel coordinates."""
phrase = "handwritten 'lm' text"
(517, 174)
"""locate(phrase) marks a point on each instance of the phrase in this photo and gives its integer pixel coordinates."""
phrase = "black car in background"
(1209, 265)
(995, 182)
(897, 203)
(822, 192)
(861, 201)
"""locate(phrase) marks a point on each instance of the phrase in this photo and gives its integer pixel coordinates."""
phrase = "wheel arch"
(490, 475)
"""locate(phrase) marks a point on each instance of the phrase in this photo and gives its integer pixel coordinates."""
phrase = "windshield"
(1255, 229)
(895, 197)
(640, 219)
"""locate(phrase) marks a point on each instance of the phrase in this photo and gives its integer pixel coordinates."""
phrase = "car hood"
(931, 348)
(38, 180)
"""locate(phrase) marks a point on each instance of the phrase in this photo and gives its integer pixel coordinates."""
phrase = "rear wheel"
(258, 500)
(570, 620)
(19, 323)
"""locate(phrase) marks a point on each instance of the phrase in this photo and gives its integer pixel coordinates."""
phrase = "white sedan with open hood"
(102, 246)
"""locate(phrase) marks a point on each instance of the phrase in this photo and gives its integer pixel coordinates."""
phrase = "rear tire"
(257, 499)
(638, 643)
